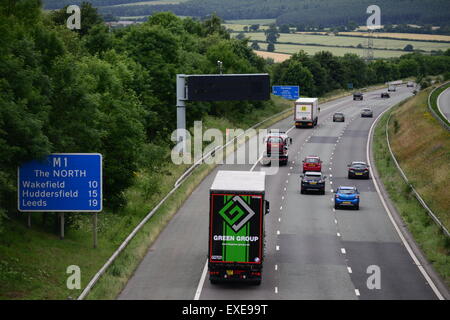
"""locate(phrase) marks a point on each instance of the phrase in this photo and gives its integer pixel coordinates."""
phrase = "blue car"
(346, 196)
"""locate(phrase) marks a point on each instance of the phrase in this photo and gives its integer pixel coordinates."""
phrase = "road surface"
(312, 250)
(444, 103)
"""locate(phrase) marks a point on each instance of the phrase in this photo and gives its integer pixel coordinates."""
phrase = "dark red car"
(312, 163)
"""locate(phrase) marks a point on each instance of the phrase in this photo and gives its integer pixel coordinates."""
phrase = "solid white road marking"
(343, 251)
(357, 292)
(349, 270)
(202, 280)
(276, 289)
(276, 267)
(399, 232)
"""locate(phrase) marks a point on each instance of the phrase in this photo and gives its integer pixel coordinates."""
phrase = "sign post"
(63, 182)
(95, 229)
(61, 221)
(216, 87)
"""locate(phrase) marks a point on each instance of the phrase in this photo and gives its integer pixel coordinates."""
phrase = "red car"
(312, 163)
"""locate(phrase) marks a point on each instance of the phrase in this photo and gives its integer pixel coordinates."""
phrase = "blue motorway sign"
(287, 92)
(64, 182)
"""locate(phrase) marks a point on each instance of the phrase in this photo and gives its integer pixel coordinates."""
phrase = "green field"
(240, 27)
(252, 21)
(294, 48)
(390, 44)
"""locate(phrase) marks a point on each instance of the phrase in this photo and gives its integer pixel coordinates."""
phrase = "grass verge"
(434, 104)
(414, 149)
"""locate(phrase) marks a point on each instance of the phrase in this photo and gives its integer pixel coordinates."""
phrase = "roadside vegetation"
(434, 100)
(422, 148)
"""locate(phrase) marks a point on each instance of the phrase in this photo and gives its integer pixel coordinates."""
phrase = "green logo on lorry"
(236, 213)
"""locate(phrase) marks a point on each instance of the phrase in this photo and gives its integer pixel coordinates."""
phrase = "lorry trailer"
(236, 226)
(306, 112)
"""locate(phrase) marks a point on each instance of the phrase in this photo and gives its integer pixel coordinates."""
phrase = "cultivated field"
(294, 48)
(411, 36)
(240, 27)
(277, 57)
(249, 22)
(391, 44)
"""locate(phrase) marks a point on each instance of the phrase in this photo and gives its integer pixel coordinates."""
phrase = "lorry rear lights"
(256, 274)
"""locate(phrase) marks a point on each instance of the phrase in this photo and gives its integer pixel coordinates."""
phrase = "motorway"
(312, 250)
(444, 103)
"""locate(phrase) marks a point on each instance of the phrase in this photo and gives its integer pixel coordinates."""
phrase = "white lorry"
(306, 112)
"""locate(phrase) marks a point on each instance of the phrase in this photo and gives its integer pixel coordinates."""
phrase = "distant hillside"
(58, 4)
(295, 12)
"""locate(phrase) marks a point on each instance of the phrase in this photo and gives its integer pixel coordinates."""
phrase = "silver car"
(366, 112)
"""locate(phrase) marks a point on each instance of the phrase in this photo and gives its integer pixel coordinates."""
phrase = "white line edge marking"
(276, 267)
(405, 243)
(349, 270)
(276, 289)
(202, 280)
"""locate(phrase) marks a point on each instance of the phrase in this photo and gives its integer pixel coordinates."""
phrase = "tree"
(272, 34)
(254, 27)
(240, 36)
(408, 68)
(213, 24)
(270, 47)
(285, 29)
(255, 45)
(408, 48)
(297, 74)
(88, 14)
